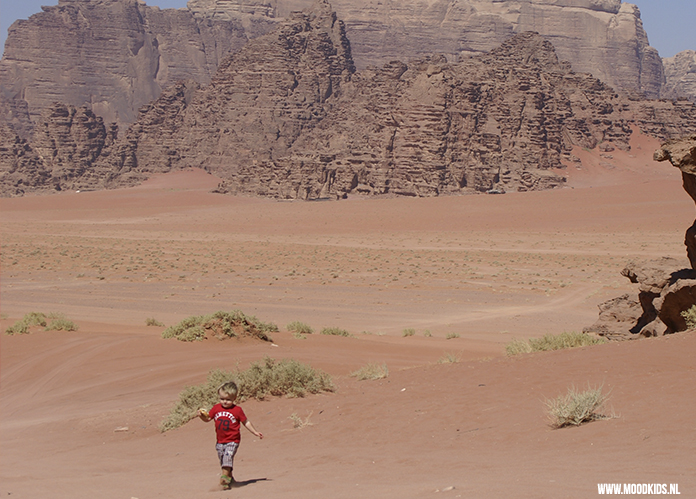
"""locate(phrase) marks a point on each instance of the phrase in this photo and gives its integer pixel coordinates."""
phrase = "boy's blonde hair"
(229, 388)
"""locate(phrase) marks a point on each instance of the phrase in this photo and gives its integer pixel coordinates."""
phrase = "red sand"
(488, 268)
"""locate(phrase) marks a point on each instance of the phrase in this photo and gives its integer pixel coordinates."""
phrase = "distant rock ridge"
(680, 76)
(118, 55)
(288, 116)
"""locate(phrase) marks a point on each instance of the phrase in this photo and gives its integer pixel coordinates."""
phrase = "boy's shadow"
(244, 483)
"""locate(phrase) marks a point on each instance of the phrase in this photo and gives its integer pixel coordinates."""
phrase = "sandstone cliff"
(287, 116)
(118, 55)
(602, 37)
(680, 76)
(113, 55)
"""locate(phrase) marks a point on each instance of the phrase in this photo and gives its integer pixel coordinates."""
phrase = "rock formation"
(113, 55)
(602, 37)
(288, 117)
(667, 289)
(62, 155)
(118, 55)
(680, 76)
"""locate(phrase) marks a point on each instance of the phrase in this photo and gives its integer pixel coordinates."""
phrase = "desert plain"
(79, 411)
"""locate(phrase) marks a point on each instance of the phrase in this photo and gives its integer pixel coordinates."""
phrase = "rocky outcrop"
(287, 116)
(682, 154)
(113, 55)
(680, 76)
(667, 290)
(118, 55)
(602, 37)
(63, 155)
(503, 121)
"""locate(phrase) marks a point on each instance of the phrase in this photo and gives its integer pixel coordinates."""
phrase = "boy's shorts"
(226, 454)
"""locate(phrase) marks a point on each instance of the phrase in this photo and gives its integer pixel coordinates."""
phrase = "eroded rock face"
(66, 145)
(665, 290)
(118, 55)
(680, 76)
(602, 37)
(113, 55)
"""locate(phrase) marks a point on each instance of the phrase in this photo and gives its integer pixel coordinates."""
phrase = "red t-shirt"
(227, 423)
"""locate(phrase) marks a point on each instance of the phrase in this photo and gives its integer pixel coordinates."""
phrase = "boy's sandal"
(226, 480)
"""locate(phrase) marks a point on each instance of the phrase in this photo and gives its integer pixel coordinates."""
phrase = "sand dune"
(488, 268)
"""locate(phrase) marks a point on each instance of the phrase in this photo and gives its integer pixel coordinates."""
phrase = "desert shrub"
(451, 336)
(408, 332)
(576, 407)
(58, 322)
(371, 371)
(299, 328)
(553, 342)
(220, 324)
(19, 327)
(263, 379)
(61, 324)
(335, 331)
(427, 333)
(151, 321)
(35, 319)
(516, 347)
(690, 317)
(449, 358)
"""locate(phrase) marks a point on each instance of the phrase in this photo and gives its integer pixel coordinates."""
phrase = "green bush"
(576, 407)
(263, 379)
(408, 332)
(151, 321)
(222, 325)
(553, 342)
(299, 328)
(371, 371)
(18, 327)
(451, 336)
(335, 331)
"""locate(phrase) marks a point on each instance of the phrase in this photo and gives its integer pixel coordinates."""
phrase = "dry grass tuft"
(371, 371)
(552, 342)
(335, 331)
(299, 423)
(576, 408)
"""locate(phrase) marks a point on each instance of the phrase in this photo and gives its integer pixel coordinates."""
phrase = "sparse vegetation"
(552, 342)
(690, 317)
(151, 321)
(427, 333)
(299, 328)
(371, 371)
(449, 358)
(58, 322)
(335, 331)
(576, 407)
(221, 325)
(299, 423)
(451, 336)
(263, 379)
(408, 332)
(61, 324)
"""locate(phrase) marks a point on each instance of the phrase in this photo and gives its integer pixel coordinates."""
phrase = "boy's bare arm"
(251, 428)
